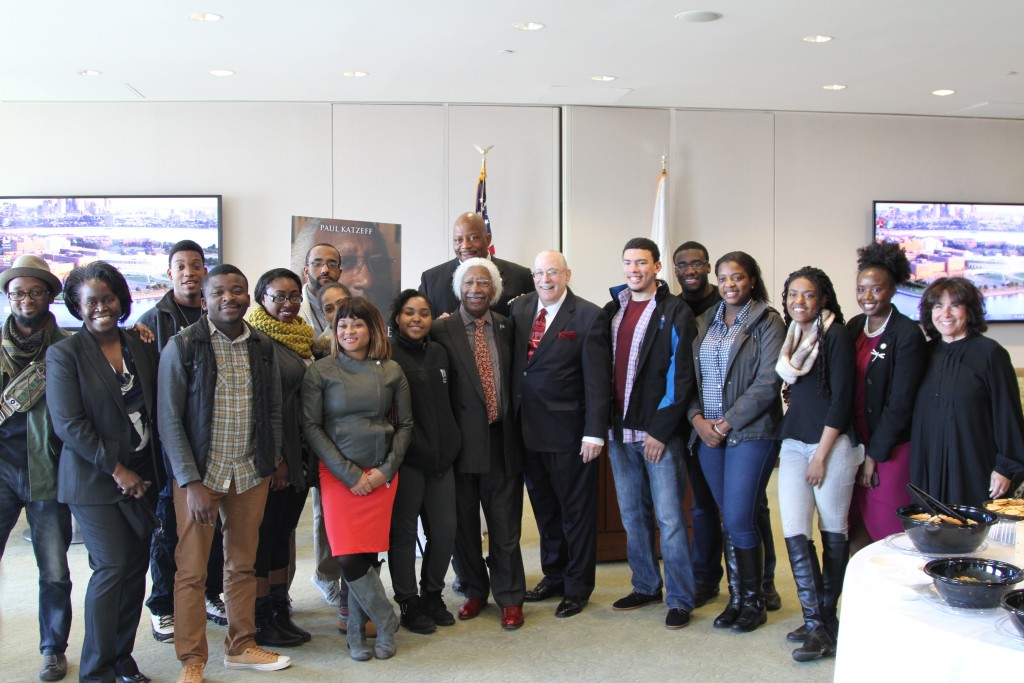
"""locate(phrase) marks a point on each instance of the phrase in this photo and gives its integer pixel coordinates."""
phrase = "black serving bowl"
(1013, 602)
(1001, 515)
(972, 582)
(940, 538)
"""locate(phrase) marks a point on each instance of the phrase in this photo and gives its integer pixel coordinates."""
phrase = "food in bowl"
(939, 519)
(1006, 507)
(972, 582)
(944, 538)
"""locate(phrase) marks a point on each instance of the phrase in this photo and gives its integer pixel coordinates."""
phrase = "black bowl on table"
(972, 582)
(942, 538)
(1013, 603)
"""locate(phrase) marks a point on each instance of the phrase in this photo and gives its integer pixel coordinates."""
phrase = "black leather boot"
(732, 610)
(835, 555)
(750, 562)
(281, 608)
(820, 643)
(763, 520)
(803, 558)
(267, 632)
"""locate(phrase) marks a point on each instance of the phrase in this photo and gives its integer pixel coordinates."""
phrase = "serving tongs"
(934, 505)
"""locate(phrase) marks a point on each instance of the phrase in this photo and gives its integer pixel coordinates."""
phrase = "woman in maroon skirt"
(357, 417)
(891, 359)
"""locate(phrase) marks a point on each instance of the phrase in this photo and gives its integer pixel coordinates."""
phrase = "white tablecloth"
(893, 628)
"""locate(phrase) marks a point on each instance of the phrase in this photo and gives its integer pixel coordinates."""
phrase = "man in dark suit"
(489, 469)
(470, 240)
(562, 385)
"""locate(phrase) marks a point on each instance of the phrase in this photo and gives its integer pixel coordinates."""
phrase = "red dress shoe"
(471, 607)
(511, 618)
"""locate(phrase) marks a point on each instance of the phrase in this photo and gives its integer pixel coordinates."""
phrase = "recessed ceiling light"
(528, 26)
(88, 72)
(603, 79)
(943, 93)
(221, 72)
(817, 39)
(205, 16)
(506, 52)
(699, 17)
(355, 74)
(834, 86)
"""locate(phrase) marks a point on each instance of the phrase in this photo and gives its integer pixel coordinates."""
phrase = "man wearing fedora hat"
(29, 449)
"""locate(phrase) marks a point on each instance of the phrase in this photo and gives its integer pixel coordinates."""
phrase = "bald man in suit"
(561, 396)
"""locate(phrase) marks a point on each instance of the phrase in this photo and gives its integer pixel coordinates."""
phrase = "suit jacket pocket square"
(567, 334)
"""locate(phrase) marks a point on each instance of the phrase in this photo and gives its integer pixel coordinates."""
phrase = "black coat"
(468, 402)
(89, 416)
(890, 386)
(436, 285)
(564, 391)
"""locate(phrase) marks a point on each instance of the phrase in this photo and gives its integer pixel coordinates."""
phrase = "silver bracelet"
(717, 431)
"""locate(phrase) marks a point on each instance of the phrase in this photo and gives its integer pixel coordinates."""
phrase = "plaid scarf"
(18, 352)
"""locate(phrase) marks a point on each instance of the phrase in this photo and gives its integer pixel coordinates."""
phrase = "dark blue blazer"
(563, 392)
(89, 416)
(436, 285)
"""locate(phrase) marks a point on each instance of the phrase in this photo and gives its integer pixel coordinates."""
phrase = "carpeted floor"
(597, 645)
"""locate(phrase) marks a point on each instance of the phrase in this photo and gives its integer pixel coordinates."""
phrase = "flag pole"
(481, 190)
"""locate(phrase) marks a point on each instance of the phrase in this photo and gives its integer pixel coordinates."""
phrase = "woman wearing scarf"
(279, 297)
(818, 459)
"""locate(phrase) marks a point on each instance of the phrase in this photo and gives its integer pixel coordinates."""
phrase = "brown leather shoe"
(511, 618)
(471, 607)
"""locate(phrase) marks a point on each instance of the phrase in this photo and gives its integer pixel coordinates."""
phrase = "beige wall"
(790, 188)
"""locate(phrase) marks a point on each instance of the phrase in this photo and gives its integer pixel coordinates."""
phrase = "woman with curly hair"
(818, 461)
(968, 433)
(891, 358)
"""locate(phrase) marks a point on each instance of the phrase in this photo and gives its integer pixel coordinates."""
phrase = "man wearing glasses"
(692, 268)
(470, 240)
(322, 266)
(28, 454)
(561, 398)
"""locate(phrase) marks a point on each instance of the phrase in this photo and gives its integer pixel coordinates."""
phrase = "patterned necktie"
(486, 370)
(536, 333)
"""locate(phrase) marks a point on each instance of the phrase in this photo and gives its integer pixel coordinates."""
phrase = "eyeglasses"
(479, 282)
(320, 263)
(691, 265)
(34, 294)
(280, 298)
(377, 263)
(550, 272)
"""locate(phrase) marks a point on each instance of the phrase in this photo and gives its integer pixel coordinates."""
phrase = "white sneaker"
(258, 659)
(330, 589)
(163, 628)
(216, 612)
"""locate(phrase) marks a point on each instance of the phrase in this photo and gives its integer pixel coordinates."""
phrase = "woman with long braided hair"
(818, 459)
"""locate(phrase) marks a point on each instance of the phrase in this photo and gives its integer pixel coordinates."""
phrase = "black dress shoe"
(137, 677)
(570, 606)
(542, 591)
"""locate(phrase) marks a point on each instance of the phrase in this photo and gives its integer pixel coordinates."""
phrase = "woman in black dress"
(968, 434)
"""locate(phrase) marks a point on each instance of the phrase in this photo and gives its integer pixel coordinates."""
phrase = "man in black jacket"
(470, 240)
(220, 423)
(652, 333)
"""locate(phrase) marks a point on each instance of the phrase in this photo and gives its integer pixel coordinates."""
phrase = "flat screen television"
(981, 242)
(133, 233)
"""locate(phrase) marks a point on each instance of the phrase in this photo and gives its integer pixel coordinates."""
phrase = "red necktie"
(536, 333)
(486, 370)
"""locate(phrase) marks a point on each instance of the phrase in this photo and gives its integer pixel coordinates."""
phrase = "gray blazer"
(89, 415)
(752, 393)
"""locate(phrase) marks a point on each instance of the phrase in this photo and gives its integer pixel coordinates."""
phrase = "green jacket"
(43, 445)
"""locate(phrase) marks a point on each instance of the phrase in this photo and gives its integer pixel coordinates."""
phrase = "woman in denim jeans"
(735, 414)
(818, 458)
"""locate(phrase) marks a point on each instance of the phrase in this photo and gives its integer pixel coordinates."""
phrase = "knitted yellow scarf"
(296, 335)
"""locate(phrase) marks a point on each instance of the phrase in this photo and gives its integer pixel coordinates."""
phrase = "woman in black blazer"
(102, 399)
(891, 360)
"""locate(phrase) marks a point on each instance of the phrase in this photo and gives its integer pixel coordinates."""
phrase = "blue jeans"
(737, 476)
(50, 523)
(639, 486)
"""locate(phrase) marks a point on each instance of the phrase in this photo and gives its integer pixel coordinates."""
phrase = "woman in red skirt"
(357, 417)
